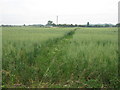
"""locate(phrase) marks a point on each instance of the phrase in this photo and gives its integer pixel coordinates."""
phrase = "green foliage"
(60, 57)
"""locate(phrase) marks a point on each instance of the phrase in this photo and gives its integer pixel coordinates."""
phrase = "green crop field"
(59, 57)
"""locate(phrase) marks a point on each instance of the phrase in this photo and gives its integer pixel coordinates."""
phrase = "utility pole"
(57, 20)
(119, 12)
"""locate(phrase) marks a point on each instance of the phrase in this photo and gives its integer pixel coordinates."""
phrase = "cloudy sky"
(68, 11)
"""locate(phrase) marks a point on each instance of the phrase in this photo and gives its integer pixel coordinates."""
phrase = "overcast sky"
(69, 11)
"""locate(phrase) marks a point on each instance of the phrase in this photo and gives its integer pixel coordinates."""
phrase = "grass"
(60, 57)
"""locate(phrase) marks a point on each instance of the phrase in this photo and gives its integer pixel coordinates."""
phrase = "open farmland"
(60, 57)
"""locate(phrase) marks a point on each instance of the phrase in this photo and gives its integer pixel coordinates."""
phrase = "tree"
(107, 25)
(118, 25)
(88, 24)
(76, 25)
(49, 23)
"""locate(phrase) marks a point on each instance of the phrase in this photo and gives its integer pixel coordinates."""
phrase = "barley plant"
(60, 57)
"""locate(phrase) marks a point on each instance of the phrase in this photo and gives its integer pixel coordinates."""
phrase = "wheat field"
(59, 57)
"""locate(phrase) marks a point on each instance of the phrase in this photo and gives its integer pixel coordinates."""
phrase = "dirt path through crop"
(54, 49)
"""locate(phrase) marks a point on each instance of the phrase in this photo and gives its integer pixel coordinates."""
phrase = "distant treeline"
(51, 24)
(96, 25)
(66, 25)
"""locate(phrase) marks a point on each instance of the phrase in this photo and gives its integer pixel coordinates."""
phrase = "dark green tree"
(88, 24)
(49, 23)
(118, 25)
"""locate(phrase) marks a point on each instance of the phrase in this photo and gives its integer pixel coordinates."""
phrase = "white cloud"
(69, 11)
